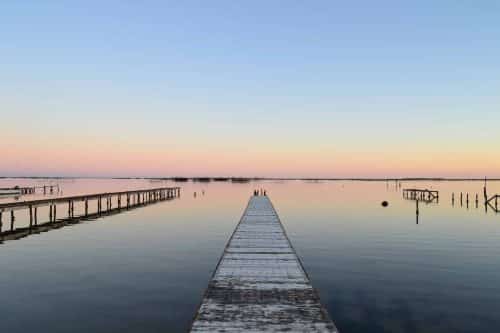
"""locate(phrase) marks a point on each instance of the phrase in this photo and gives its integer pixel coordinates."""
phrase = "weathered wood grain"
(259, 284)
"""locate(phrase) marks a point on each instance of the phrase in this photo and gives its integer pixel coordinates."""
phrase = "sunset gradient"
(281, 89)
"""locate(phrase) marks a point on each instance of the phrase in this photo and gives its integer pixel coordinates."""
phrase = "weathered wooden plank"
(259, 284)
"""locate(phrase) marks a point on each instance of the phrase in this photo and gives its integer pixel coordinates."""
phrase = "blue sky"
(350, 77)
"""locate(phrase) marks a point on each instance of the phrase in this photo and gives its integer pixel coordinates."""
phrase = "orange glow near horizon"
(112, 158)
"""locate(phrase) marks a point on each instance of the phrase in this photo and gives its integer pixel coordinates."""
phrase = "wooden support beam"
(31, 216)
(12, 218)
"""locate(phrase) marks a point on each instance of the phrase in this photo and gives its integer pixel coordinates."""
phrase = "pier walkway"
(259, 284)
(113, 201)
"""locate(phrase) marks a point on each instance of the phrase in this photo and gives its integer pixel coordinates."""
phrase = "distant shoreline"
(248, 179)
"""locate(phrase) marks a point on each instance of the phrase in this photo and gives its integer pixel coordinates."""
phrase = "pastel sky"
(250, 88)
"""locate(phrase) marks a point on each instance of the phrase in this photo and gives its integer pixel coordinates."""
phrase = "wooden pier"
(259, 284)
(419, 194)
(133, 199)
(32, 189)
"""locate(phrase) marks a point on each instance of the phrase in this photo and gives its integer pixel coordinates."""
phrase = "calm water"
(145, 270)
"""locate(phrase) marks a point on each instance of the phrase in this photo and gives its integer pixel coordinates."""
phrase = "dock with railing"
(421, 194)
(103, 204)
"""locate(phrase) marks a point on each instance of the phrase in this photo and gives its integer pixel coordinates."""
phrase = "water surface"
(145, 270)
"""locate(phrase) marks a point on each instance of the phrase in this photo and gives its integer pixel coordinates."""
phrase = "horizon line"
(221, 178)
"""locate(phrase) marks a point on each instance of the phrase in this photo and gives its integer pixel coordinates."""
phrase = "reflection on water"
(375, 268)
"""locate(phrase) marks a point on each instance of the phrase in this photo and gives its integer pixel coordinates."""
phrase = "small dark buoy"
(385, 204)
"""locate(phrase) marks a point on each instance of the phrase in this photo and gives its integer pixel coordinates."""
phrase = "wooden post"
(55, 212)
(36, 216)
(1, 223)
(31, 216)
(12, 218)
(496, 202)
(69, 209)
(72, 208)
(50, 212)
(86, 206)
(461, 199)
